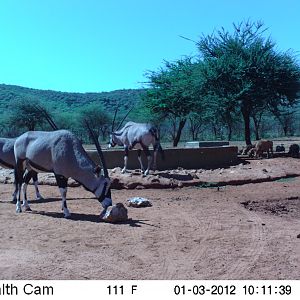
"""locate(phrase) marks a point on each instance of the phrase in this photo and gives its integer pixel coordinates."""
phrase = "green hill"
(64, 101)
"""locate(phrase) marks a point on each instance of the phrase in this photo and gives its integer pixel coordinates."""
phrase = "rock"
(140, 187)
(155, 180)
(115, 213)
(138, 202)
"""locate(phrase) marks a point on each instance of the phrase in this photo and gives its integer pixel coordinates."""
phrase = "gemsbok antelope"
(62, 153)
(139, 136)
(7, 160)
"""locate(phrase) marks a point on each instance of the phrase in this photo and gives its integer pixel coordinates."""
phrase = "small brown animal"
(261, 147)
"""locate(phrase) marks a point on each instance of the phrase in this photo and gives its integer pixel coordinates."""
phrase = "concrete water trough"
(187, 158)
(200, 144)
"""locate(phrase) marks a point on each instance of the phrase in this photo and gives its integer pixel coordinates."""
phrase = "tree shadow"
(92, 218)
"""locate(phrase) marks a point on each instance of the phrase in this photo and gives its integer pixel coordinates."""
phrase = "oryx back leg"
(149, 159)
(35, 182)
(125, 159)
(140, 159)
(62, 183)
(155, 150)
(19, 172)
(26, 178)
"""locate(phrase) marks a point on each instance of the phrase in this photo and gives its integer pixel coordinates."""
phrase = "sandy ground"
(245, 231)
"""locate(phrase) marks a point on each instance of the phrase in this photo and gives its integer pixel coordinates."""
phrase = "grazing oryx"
(62, 153)
(139, 136)
(7, 160)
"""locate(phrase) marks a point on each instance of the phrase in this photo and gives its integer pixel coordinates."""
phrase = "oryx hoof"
(18, 210)
(103, 213)
(123, 171)
(67, 216)
(27, 208)
(39, 198)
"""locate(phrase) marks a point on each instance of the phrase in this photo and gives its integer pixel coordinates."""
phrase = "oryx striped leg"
(125, 159)
(149, 158)
(26, 178)
(140, 159)
(35, 182)
(62, 183)
(15, 193)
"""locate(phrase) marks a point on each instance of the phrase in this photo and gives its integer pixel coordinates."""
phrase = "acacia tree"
(98, 119)
(27, 114)
(172, 93)
(244, 68)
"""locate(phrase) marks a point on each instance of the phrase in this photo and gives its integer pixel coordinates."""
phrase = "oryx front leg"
(125, 160)
(15, 194)
(155, 150)
(62, 184)
(18, 204)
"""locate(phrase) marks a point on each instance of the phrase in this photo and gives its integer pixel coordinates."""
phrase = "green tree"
(245, 70)
(172, 93)
(26, 114)
(98, 119)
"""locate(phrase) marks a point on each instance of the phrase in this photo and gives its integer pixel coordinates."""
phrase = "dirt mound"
(184, 233)
(279, 207)
(248, 171)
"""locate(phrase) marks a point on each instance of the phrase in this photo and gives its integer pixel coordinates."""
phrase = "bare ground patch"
(187, 233)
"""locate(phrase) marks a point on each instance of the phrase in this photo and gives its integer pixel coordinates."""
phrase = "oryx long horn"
(124, 118)
(113, 122)
(98, 147)
(47, 117)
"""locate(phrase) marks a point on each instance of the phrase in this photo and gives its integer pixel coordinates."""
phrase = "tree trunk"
(257, 123)
(256, 127)
(229, 132)
(178, 134)
(246, 116)
(214, 128)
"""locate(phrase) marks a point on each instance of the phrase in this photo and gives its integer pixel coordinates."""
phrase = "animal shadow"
(91, 218)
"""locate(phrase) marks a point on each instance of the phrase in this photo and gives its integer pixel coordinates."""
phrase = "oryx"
(62, 153)
(7, 160)
(139, 136)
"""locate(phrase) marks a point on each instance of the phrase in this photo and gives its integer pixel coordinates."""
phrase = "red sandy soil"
(243, 231)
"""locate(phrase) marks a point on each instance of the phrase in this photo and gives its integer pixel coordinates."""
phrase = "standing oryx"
(62, 153)
(139, 136)
(7, 160)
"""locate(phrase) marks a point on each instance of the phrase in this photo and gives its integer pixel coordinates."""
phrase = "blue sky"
(104, 45)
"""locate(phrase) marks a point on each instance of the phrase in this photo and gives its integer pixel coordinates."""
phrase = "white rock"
(138, 202)
(115, 213)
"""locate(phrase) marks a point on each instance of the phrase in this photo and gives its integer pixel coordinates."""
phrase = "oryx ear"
(97, 170)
